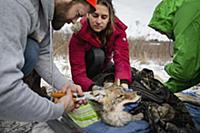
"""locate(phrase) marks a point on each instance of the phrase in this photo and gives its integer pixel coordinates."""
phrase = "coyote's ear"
(117, 82)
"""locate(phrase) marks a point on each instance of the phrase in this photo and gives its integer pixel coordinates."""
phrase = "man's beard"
(57, 25)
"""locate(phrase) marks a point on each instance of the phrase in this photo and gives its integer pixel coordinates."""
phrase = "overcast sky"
(141, 11)
(132, 11)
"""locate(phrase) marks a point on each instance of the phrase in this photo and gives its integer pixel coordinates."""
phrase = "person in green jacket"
(180, 21)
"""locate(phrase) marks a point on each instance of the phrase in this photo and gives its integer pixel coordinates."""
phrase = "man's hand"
(67, 100)
(75, 89)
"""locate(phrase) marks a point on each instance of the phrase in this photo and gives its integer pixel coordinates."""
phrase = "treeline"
(139, 48)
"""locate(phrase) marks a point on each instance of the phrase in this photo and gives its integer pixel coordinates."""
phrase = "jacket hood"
(163, 16)
(48, 8)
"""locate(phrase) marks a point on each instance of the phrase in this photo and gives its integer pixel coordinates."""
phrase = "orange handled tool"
(57, 94)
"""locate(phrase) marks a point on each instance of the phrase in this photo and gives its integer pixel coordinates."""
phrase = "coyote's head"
(113, 101)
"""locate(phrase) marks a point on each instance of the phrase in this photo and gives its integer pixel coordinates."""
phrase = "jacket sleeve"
(77, 62)
(44, 68)
(184, 70)
(18, 102)
(121, 57)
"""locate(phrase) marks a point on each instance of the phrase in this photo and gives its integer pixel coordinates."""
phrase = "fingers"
(70, 101)
(67, 100)
(79, 90)
(71, 104)
(75, 88)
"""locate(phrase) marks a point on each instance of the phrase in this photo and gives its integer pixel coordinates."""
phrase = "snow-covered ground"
(159, 72)
(158, 69)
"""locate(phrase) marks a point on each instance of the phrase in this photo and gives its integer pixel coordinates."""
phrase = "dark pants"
(94, 61)
(95, 65)
(31, 55)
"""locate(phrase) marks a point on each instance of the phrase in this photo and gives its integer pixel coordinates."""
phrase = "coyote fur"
(113, 101)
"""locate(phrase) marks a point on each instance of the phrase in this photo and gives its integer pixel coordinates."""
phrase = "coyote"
(156, 104)
(112, 105)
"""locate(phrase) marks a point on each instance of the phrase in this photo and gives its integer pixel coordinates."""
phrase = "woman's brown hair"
(105, 34)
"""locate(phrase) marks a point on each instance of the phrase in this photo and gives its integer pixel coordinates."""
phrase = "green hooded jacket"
(180, 21)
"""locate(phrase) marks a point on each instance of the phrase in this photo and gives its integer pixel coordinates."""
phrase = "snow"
(158, 69)
(64, 66)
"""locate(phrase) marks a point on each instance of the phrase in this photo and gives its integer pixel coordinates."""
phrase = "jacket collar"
(119, 25)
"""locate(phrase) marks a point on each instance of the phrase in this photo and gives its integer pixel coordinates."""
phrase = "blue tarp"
(139, 126)
(142, 126)
(193, 109)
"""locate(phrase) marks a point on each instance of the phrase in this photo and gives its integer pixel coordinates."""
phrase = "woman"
(101, 38)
